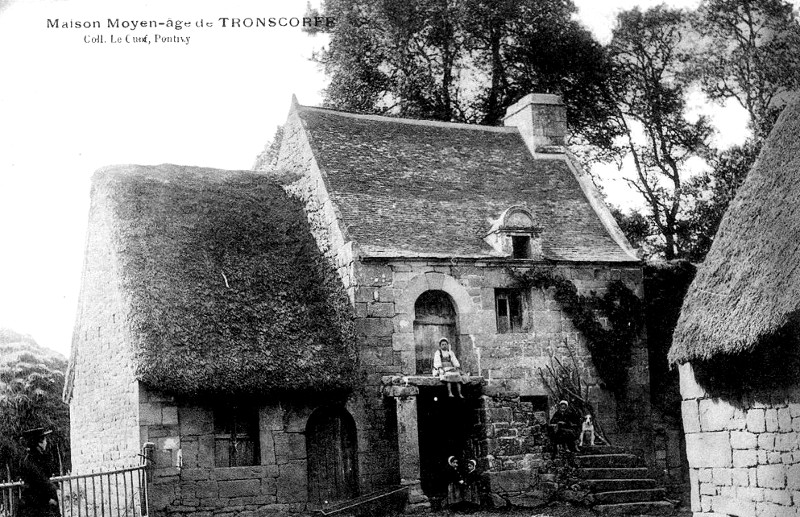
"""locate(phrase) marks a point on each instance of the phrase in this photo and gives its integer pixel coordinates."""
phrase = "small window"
(236, 436)
(508, 304)
(521, 246)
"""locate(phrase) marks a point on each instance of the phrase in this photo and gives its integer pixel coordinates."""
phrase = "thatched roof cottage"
(204, 303)
(738, 345)
(275, 343)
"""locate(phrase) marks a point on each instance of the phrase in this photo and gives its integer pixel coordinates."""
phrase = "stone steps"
(618, 483)
(641, 508)
(613, 473)
(607, 460)
(607, 485)
(628, 496)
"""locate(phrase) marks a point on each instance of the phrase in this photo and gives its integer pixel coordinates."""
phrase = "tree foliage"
(749, 52)
(31, 384)
(647, 54)
(463, 61)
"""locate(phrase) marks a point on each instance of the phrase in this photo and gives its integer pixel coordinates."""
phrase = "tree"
(31, 384)
(749, 51)
(713, 192)
(647, 57)
(463, 61)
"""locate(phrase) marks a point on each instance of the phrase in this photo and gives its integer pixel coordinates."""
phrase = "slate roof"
(747, 291)
(418, 188)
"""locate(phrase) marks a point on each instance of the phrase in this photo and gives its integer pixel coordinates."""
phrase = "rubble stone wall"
(186, 481)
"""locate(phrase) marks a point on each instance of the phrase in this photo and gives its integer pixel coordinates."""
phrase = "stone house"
(423, 221)
(272, 332)
(736, 344)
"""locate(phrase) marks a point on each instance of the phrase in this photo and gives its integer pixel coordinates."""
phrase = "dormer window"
(515, 234)
(520, 246)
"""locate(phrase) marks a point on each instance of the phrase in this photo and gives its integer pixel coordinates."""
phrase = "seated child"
(446, 367)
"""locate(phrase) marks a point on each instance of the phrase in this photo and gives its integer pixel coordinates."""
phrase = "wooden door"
(434, 319)
(331, 447)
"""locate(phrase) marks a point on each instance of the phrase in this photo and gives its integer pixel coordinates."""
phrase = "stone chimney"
(542, 121)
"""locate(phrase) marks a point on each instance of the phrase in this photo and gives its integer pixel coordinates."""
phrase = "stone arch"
(405, 305)
(332, 455)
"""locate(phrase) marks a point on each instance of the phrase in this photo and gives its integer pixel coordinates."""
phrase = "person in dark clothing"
(563, 428)
(39, 497)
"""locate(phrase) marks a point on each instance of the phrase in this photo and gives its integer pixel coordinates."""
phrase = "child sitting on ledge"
(446, 367)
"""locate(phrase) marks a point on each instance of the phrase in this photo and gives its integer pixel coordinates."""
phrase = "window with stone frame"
(236, 436)
(510, 310)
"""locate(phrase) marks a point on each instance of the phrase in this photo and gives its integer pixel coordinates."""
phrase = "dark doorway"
(332, 450)
(434, 319)
(446, 428)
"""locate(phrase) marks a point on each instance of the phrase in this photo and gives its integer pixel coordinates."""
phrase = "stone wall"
(744, 453)
(512, 452)
(384, 296)
(186, 481)
(102, 395)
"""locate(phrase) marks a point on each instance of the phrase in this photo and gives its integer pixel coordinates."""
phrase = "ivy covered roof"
(226, 290)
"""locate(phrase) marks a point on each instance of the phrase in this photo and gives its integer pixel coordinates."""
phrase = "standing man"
(39, 497)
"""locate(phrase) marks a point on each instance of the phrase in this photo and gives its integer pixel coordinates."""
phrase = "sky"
(70, 105)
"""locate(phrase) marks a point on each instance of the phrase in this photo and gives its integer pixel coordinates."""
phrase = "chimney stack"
(541, 119)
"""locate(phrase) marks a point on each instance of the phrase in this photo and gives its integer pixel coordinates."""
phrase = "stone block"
(709, 449)
(510, 481)
(743, 440)
(793, 477)
(781, 497)
(740, 477)
(169, 415)
(730, 506)
(756, 421)
(784, 420)
(705, 475)
(771, 476)
(694, 485)
(239, 488)
(766, 441)
(150, 413)
(745, 458)
(292, 483)
(380, 309)
(723, 476)
(771, 420)
(688, 385)
(195, 421)
(715, 414)
(691, 416)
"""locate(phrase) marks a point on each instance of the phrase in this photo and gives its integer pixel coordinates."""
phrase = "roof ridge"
(413, 121)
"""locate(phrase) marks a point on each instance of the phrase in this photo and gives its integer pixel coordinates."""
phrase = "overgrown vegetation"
(31, 383)
(564, 382)
(610, 347)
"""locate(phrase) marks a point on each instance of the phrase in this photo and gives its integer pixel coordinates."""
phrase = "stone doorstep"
(609, 485)
(608, 460)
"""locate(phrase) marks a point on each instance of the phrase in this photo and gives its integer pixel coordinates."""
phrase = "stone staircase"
(618, 483)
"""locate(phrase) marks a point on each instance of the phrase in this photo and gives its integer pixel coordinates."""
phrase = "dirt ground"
(557, 509)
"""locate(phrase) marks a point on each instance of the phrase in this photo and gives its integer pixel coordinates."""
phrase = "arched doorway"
(332, 451)
(434, 318)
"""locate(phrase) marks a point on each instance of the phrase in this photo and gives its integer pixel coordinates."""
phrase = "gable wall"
(744, 453)
(103, 405)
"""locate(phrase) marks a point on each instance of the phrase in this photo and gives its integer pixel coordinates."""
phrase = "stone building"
(199, 285)
(737, 346)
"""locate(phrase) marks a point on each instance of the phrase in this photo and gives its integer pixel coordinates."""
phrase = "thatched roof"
(407, 187)
(226, 288)
(748, 289)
